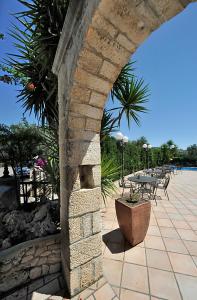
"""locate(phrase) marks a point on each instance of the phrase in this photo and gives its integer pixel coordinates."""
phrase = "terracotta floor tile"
(183, 264)
(171, 210)
(115, 225)
(136, 255)
(90, 298)
(114, 236)
(158, 259)
(181, 224)
(140, 244)
(165, 202)
(191, 246)
(195, 259)
(164, 222)
(112, 270)
(188, 235)
(135, 278)
(153, 222)
(158, 208)
(176, 222)
(153, 230)
(191, 218)
(107, 225)
(163, 284)
(180, 206)
(169, 232)
(188, 286)
(184, 211)
(161, 215)
(114, 251)
(105, 292)
(173, 216)
(193, 225)
(128, 295)
(154, 242)
(174, 245)
(116, 290)
(194, 211)
(190, 206)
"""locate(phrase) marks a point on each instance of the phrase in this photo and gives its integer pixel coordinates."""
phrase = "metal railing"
(35, 188)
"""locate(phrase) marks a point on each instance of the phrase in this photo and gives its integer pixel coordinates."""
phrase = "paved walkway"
(164, 266)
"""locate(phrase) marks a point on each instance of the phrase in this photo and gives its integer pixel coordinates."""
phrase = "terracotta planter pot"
(133, 219)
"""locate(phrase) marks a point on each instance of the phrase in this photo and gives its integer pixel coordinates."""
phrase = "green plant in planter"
(134, 198)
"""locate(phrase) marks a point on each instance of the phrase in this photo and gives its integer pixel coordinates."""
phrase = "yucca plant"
(50, 150)
(109, 173)
(131, 94)
(108, 125)
(126, 74)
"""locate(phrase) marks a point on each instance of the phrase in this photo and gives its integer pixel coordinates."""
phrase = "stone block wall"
(28, 261)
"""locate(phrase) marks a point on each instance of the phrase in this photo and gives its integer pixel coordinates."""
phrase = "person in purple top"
(40, 162)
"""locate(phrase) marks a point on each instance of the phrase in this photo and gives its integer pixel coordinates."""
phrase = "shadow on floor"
(115, 241)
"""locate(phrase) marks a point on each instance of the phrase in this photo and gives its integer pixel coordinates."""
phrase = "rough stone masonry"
(28, 261)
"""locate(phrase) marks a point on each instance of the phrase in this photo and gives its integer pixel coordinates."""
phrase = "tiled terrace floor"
(164, 266)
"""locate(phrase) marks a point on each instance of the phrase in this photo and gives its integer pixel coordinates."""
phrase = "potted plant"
(133, 214)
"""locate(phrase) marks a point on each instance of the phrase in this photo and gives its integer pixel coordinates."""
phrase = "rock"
(18, 226)
(45, 269)
(8, 197)
(35, 273)
(54, 268)
(41, 213)
(15, 279)
(6, 243)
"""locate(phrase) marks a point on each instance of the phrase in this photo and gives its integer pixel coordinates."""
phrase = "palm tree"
(131, 95)
(36, 38)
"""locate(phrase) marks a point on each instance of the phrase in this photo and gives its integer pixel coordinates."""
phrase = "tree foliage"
(135, 156)
(19, 143)
(36, 34)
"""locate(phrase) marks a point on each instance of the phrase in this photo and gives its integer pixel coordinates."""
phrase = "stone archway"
(97, 40)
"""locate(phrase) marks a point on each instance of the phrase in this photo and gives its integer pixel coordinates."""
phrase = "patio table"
(143, 180)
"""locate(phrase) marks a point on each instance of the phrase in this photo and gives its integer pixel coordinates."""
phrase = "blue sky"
(167, 61)
(10, 111)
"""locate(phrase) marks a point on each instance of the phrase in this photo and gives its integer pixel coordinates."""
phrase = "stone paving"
(164, 266)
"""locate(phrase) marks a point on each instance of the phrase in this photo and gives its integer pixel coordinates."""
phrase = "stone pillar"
(80, 208)
(80, 191)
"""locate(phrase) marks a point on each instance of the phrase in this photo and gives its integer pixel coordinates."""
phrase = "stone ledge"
(28, 261)
(27, 244)
(44, 286)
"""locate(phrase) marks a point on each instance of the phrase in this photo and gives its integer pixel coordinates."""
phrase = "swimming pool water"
(188, 168)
